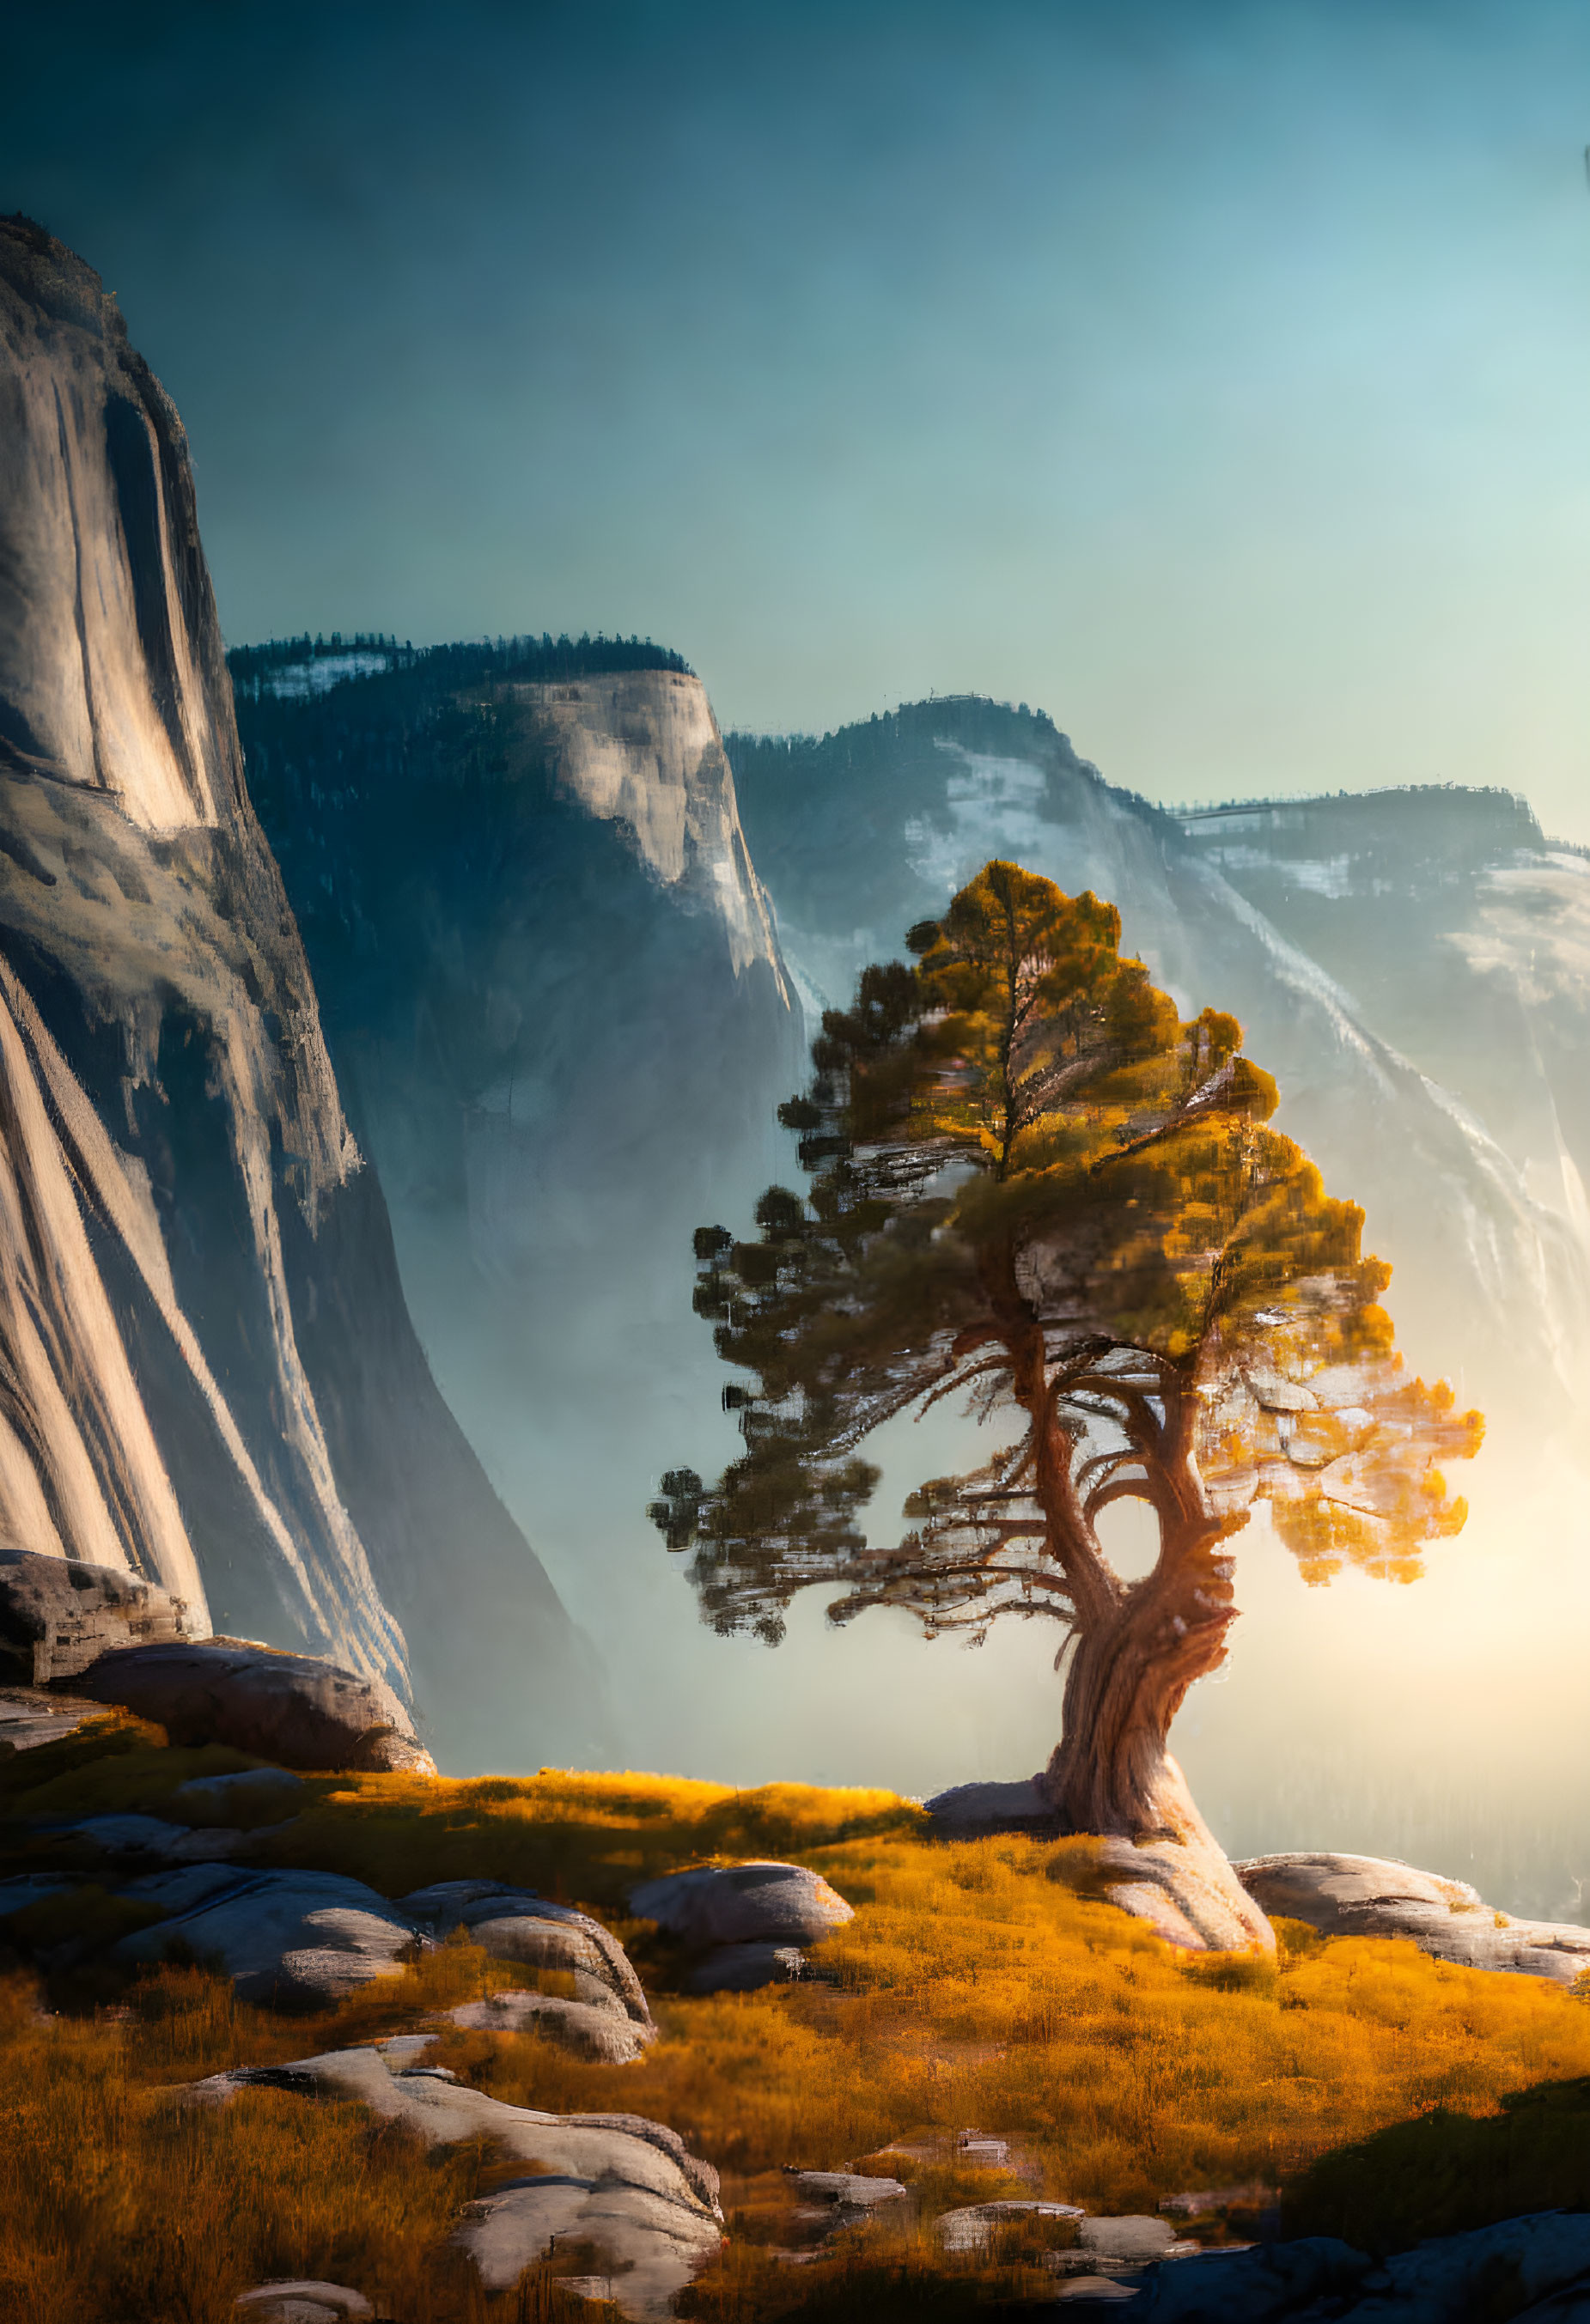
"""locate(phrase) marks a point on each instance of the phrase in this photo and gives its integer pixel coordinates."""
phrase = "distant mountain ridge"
(1353, 983)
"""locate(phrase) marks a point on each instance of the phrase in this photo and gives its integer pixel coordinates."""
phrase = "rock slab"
(293, 1708)
(606, 2036)
(742, 1903)
(971, 2227)
(981, 1810)
(1542, 2260)
(28, 1717)
(618, 2182)
(60, 1614)
(516, 1925)
(1373, 1896)
(287, 1939)
(302, 2301)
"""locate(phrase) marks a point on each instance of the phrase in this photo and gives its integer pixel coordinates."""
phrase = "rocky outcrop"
(1368, 1896)
(135, 1842)
(1183, 1885)
(29, 1717)
(973, 2227)
(58, 1615)
(604, 2036)
(624, 2185)
(293, 1708)
(979, 1810)
(745, 1922)
(213, 1383)
(251, 1797)
(295, 1939)
(1535, 2270)
(287, 1939)
(302, 2300)
(741, 1903)
(513, 1924)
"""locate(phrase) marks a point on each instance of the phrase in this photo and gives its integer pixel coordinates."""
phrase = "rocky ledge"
(616, 2181)
(1372, 1896)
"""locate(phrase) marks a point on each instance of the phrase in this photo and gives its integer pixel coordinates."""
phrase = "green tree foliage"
(1033, 1183)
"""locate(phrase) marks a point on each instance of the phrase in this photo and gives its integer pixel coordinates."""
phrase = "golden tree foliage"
(1033, 1182)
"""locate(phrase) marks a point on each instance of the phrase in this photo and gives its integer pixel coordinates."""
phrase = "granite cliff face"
(554, 997)
(209, 1376)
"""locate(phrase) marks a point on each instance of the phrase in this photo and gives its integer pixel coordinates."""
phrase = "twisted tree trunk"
(1112, 1774)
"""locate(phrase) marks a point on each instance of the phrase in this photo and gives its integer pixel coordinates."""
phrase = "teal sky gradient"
(1214, 376)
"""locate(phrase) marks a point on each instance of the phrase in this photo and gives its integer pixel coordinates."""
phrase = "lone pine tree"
(1032, 1182)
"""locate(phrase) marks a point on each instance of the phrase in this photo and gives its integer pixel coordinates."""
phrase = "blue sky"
(1212, 375)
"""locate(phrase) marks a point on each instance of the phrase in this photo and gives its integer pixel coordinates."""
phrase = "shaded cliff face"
(211, 1377)
(555, 1000)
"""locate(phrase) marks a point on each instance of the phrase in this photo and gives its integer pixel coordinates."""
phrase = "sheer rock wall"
(208, 1374)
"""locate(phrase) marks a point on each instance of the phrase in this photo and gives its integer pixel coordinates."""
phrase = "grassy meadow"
(981, 1984)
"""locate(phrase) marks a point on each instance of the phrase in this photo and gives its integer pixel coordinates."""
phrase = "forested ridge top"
(1450, 819)
(974, 721)
(369, 654)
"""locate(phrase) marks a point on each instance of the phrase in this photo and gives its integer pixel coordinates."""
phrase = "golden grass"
(975, 1988)
(124, 2206)
(980, 1984)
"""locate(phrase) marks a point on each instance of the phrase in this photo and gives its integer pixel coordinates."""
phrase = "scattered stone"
(28, 1717)
(971, 2227)
(1131, 2241)
(293, 1708)
(516, 1924)
(302, 2302)
(601, 2035)
(59, 1615)
(1542, 2259)
(1372, 1896)
(980, 1810)
(742, 1903)
(745, 1969)
(291, 1940)
(983, 2150)
(619, 2182)
(1094, 2287)
(30, 1889)
(846, 2194)
(254, 1796)
(141, 1839)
